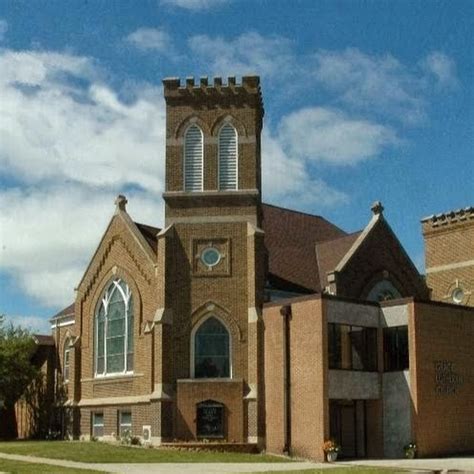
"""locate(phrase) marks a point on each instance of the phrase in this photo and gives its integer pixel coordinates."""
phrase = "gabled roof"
(43, 340)
(68, 311)
(149, 233)
(291, 238)
(331, 252)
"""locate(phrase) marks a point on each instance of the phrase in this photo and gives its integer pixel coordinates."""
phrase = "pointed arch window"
(228, 176)
(193, 159)
(211, 344)
(114, 330)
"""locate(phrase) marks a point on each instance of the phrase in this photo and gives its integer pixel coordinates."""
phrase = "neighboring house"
(250, 323)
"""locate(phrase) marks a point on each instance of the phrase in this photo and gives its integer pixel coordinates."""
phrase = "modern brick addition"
(260, 326)
(449, 255)
(442, 377)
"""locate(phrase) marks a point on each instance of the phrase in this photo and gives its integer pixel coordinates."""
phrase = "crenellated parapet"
(202, 91)
(446, 220)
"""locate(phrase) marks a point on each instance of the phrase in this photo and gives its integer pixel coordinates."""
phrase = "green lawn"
(87, 451)
(17, 467)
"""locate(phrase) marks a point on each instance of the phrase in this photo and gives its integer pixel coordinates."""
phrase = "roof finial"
(120, 203)
(377, 208)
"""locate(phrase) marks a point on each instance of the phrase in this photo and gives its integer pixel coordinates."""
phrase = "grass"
(19, 467)
(96, 452)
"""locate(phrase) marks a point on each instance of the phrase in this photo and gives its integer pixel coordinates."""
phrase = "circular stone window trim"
(457, 295)
(210, 257)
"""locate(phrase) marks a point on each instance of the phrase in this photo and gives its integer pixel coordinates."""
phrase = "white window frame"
(202, 159)
(124, 426)
(192, 351)
(67, 360)
(219, 158)
(127, 297)
(97, 425)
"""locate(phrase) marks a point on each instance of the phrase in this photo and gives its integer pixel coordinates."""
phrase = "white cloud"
(152, 39)
(320, 134)
(35, 324)
(441, 67)
(249, 53)
(53, 130)
(3, 28)
(195, 4)
(381, 84)
(49, 247)
(72, 148)
(287, 180)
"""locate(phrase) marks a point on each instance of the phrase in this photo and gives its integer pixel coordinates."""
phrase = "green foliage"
(16, 370)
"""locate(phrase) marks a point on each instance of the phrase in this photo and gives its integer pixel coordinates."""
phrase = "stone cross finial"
(120, 203)
(377, 208)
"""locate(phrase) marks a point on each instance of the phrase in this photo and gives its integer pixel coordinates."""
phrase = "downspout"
(286, 313)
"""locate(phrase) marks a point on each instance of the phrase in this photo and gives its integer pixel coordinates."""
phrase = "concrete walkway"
(172, 468)
(459, 464)
(463, 464)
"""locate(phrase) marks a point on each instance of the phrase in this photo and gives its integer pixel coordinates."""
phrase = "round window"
(457, 295)
(210, 257)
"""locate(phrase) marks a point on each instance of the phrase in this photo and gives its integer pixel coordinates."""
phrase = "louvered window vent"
(193, 159)
(227, 158)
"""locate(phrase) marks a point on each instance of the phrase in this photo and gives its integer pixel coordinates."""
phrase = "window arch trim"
(129, 323)
(196, 327)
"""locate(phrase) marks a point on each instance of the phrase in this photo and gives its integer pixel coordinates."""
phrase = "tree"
(17, 372)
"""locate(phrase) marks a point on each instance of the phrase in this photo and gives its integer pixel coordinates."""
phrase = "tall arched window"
(228, 158)
(193, 159)
(67, 359)
(114, 330)
(211, 350)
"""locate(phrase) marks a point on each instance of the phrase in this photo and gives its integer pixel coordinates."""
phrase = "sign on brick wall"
(447, 380)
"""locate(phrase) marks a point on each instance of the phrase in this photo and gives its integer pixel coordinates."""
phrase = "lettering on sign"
(447, 380)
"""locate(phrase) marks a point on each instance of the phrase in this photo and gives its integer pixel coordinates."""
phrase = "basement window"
(97, 425)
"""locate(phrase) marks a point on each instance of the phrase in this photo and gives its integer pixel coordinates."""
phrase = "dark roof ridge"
(294, 210)
(351, 234)
(147, 225)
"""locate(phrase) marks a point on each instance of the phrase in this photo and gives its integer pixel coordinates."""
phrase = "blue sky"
(364, 101)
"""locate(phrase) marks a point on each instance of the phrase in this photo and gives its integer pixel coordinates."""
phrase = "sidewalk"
(460, 464)
(173, 468)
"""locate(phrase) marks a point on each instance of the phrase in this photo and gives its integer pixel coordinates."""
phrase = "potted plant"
(410, 450)
(331, 448)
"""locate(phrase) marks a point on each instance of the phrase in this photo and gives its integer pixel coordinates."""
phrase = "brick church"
(255, 325)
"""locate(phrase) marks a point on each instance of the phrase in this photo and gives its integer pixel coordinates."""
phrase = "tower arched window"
(193, 159)
(114, 330)
(228, 159)
(211, 344)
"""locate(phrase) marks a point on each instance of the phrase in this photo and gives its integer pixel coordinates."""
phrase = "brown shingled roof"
(149, 233)
(330, 253)
(43, 340)
(291, 238)
(68, 311)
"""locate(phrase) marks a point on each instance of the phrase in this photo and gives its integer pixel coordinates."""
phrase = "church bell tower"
(212, 259)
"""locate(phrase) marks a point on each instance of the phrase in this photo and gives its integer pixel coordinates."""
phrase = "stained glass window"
(211, 350)
(114, 330)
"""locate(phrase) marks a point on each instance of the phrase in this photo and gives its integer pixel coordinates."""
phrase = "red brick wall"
(442, 378)
(308, 377)
(192, 392)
